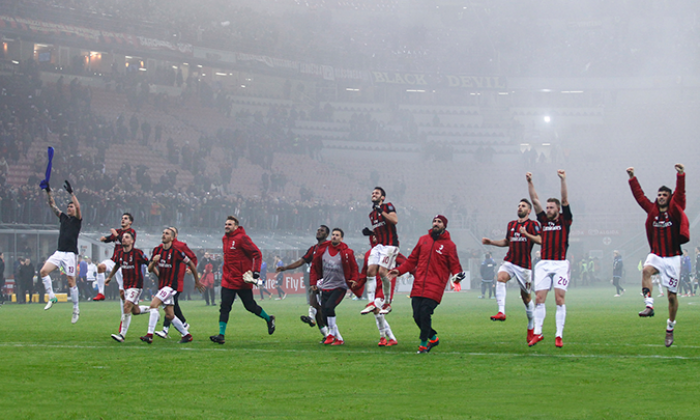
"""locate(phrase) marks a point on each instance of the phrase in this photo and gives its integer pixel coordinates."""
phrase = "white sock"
(371, 287)
(649, 302)
(501, 296)
(386, 288)
(540, 314)
(312, 312)
(333, 326)
(380, 325)
(143, 309)
(153, 320)
(670, 325)
(179, 326)
(561, 320)
(126, 321)
(387, 329)
(74, 296)
(166, 329)
(47, 285)
(324, 331)
(101, 283)
(121, 306)
(529, 311)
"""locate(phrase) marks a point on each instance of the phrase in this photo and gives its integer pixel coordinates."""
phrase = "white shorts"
(109, 266)
(383, 256)
(64, 260)
(523, 275)
(552, 273)
(669, 270)
(133, 295)
(167, 296)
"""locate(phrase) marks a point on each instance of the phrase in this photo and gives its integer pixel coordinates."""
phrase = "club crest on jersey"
(233, 245)
(439, 250)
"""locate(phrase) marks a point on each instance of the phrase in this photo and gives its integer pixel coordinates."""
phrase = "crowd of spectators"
(545, 38)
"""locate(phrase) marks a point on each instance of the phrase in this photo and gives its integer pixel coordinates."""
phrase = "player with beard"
(667, 229)
(66, 254)
(335, 263)
(434, 262)
(553, 270)
(166, 262)
(129, 261)
(383, 256)
(107, 265)
(517, 262)
(242, 261)
(315, 317)
(182, 246)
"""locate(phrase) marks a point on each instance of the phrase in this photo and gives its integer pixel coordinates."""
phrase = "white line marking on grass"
(358, 351)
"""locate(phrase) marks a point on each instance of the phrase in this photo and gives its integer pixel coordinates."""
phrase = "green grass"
(613, 365)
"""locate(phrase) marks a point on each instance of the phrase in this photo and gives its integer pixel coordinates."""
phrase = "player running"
(315, 317)
(129, 261)
(242, 260)
(517, 262)
(553, 269)
(66, 254)
(434, 261)
(667, 228)
(181, 246)
(384, 253)
(107, 265)
(335, 263)
(168, 259)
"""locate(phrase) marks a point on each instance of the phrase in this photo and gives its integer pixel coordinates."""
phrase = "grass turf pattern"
(613, 364)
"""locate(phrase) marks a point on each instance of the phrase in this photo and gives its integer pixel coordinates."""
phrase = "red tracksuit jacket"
(240, 255)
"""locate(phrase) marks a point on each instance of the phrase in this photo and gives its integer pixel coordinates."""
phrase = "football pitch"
(613, 364)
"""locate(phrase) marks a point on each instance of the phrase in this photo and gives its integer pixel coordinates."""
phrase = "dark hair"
(342, 234)
(128, 233)
(326, 228)
(131, 218)
(382, 191)
(235, 220)
(174, 229)
(555, 201)
(526, 201)
(665, 189)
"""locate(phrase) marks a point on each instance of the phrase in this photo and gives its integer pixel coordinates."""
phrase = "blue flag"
(45, 183)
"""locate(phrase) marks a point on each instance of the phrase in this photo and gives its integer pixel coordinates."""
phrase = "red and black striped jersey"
(519, 246)
(384, 231)
(555, 234)
(118, 239)
(130, 263)
(171, 259)
(665, 235)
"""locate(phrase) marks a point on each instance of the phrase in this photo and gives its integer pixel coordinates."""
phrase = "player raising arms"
(107, 265)
(517, 262)
(129, 261)
(67, 251)
(315, 317)
(168, 258)
(667, 228)
(384, 253)
(553, 269)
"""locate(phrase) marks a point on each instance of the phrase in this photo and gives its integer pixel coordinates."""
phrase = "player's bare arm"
(152, 264)
(501, 242)
(533, 194)
(52, 204)
(534, 238)
(564, 190)
(193, 269)
(630, 172)
(680, 168)
(296, 264)
(392, 274)
(112, 273)
(76, 203)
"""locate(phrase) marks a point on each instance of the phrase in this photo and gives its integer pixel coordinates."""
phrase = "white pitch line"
(350, 351)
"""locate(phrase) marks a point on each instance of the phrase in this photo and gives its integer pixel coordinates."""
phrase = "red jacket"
(349, 264)
(433, 262)
(183, 267)
(676, 207)
(240, 255)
